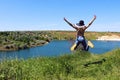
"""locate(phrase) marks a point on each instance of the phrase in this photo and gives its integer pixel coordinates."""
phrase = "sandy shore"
(109, 38)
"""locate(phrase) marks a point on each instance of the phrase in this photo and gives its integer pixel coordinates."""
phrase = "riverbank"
(76, 66)
(14, 48)
(10, 41)
(109, 38)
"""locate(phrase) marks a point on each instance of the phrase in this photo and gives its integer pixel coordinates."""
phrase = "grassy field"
(75, 66)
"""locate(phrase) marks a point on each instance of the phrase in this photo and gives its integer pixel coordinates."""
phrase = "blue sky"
(21, 15)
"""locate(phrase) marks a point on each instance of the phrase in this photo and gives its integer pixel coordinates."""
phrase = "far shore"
(2, 48)
(109, 38)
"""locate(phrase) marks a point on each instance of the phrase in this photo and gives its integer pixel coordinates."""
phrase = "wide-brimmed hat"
(81, 23)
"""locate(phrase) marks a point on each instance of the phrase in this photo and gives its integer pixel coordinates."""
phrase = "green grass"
(65, 67)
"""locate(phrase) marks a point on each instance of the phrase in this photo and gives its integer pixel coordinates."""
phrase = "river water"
(57, 48)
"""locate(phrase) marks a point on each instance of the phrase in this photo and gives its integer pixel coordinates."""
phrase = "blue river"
(57, 48)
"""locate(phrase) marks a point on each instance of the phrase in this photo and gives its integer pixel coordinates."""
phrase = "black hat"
(81, 23)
